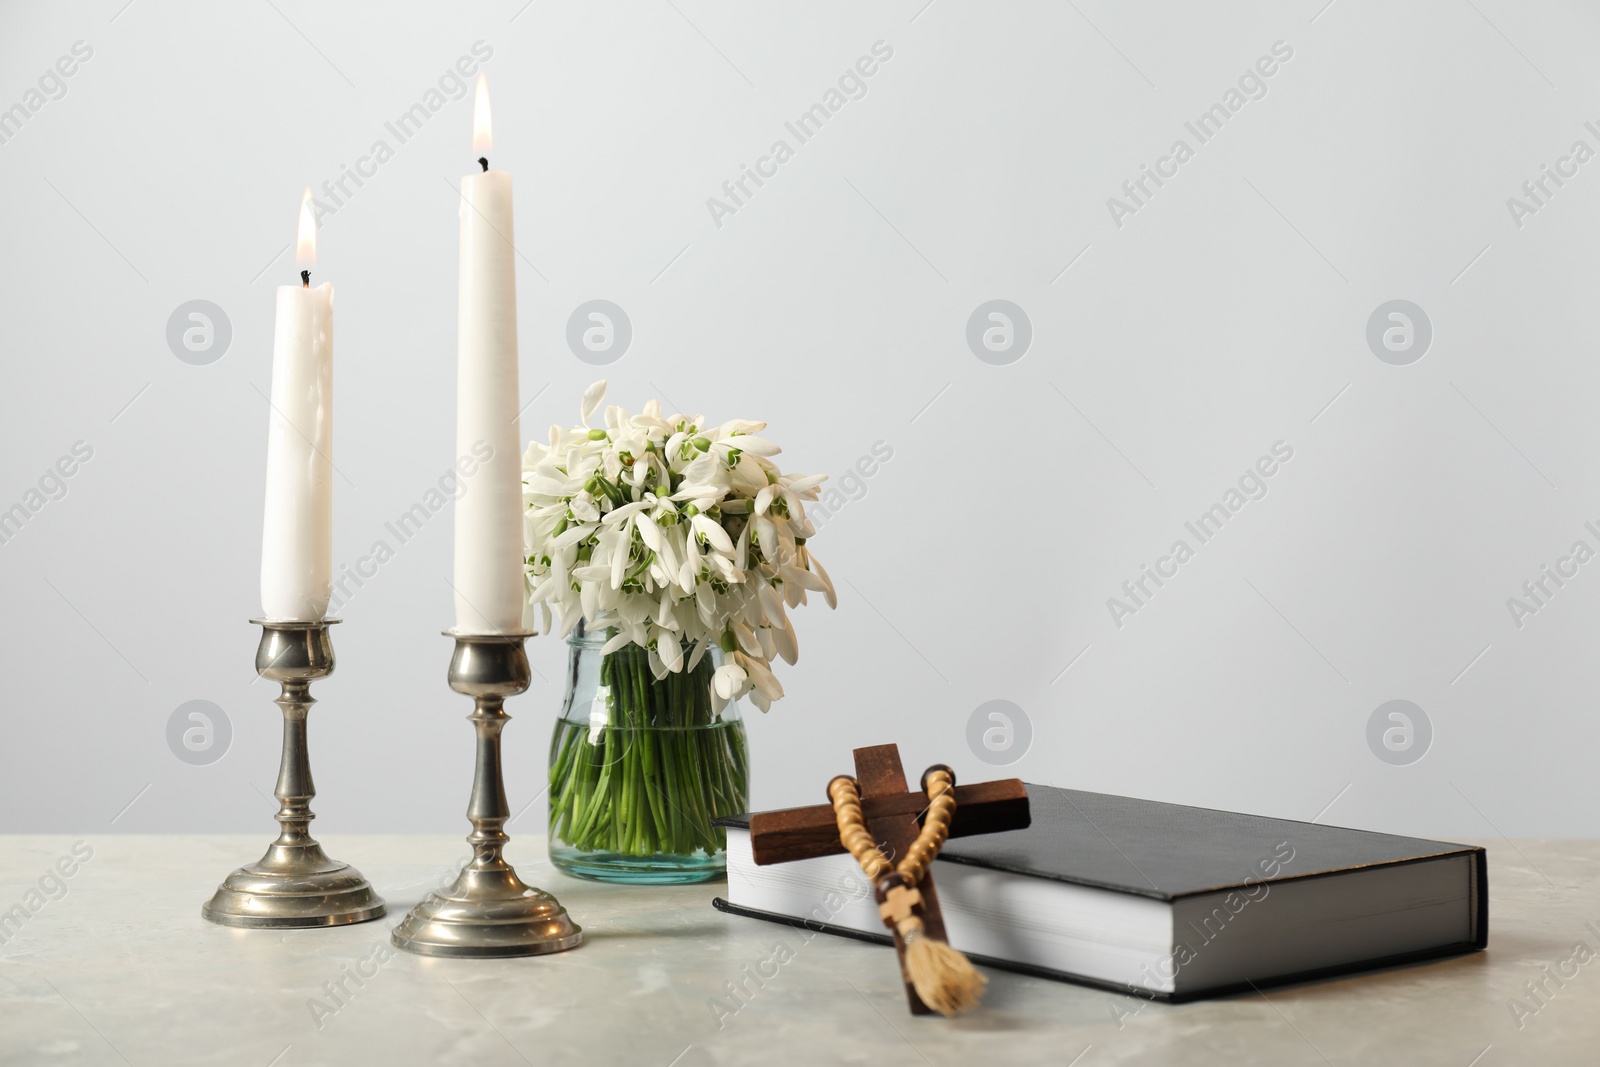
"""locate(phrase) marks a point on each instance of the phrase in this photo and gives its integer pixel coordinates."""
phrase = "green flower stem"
(661, 768)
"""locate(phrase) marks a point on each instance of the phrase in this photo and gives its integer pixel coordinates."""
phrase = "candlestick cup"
(488, 911)
(295, 884)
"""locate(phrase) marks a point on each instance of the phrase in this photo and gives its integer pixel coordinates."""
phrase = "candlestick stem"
(295, 884)
(488, 810)
(295, 788)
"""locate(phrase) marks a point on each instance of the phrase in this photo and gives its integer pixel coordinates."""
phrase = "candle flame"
(482, 133)
(305, 255)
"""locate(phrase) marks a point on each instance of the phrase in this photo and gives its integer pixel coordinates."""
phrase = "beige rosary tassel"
(944, 979)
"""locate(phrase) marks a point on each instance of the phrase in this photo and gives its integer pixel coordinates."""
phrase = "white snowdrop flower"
(591, 400)
(729, 680)
(714, 534)
(756, 446)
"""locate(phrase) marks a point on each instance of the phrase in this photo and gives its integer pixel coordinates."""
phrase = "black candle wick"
(305, 279)
(483, 161)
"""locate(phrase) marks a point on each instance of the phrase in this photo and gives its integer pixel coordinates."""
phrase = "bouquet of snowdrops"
(673, 538)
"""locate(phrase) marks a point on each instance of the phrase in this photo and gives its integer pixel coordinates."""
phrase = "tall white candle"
(297, 534)
(488, 547)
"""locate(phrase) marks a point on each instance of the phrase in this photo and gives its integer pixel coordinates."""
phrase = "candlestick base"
(484, 914)
(295, 885)
(488, 911)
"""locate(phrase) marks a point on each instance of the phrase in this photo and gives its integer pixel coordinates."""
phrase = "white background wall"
(1228, 313)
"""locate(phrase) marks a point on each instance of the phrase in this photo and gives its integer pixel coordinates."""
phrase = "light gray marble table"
(116, 966)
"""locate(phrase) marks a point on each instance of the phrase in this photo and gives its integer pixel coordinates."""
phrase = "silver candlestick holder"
(295, 884)
(488, 911)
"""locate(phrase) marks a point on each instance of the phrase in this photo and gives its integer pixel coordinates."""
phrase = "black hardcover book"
(1165, 901)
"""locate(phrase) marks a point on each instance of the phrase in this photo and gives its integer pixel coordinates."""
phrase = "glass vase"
(639, 766)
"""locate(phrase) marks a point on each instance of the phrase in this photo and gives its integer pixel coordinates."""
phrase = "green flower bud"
(597, 435)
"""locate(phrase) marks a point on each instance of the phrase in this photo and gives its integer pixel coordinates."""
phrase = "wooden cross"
(893, 815)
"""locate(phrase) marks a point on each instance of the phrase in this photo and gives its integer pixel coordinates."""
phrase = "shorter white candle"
(297, 534)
